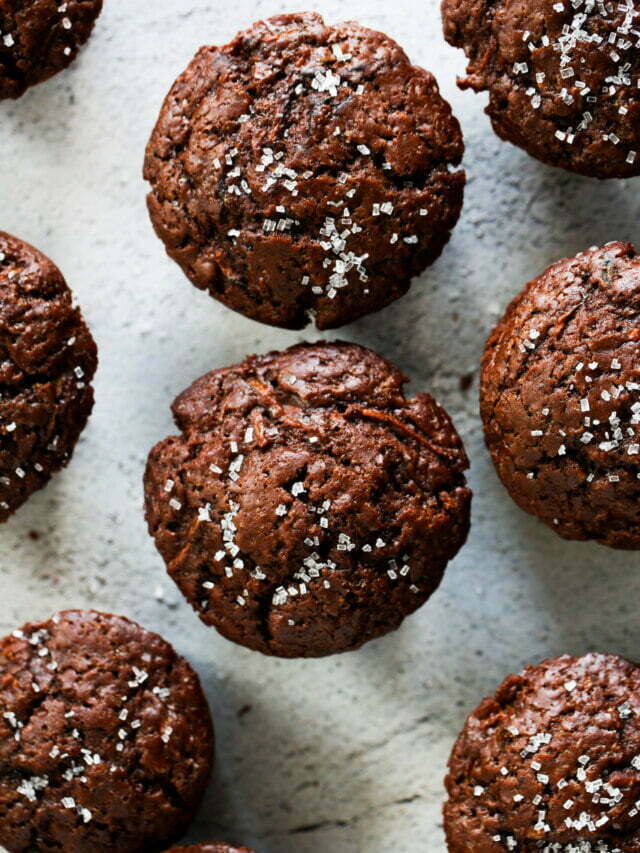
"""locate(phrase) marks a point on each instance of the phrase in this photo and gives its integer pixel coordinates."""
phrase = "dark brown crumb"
(466, 381)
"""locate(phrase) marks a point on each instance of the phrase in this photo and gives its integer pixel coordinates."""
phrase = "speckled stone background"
(344, 754)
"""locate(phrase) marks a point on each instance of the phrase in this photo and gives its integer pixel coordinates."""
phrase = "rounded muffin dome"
(307, 506)
(563, 77)
(38, 38)
(551, 763)
(560, 397)
(106, 741)
(304, 171)
(47, 361)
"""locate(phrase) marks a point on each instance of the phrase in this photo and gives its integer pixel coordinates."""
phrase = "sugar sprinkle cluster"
(342, 264)
(314, 568)
(11, 430)
(621, 49)
(602, 794)
(9, 40)
(70, 768)
(617, 433)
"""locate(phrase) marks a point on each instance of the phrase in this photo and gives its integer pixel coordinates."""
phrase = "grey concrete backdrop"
(344, 754)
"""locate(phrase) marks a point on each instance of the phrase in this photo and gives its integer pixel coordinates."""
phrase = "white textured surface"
(344, 754)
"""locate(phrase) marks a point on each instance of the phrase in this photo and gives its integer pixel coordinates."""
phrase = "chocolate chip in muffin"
(307, 506)
(560, 397)
(551, 763)
(304, 171)
(39, 38)
(563, 77)
(47, 361)
(106, 741)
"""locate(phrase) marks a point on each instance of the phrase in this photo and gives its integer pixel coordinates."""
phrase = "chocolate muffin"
(560, 397)
(38, 38)
(550, 763)
(307, 506)
(563, 77)
(210, 848)
(304, 171)
(47, 361)
(106, 740)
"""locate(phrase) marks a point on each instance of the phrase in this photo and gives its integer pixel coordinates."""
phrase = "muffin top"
(47, 361)
(38, 38)
(560, 396)
(550, 763)
(562, 77)
(304, 171)
(307, 505)
(105, 737)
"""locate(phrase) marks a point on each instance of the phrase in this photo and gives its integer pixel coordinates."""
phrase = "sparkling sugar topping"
(314, 568)
(607, 801)
(341, 265)
(620, 49)
(74, 767)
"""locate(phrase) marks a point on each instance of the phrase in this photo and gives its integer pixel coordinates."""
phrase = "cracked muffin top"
(304, 171)
(47, 361)
(563, 77)
(38, 38)
(106, 740)
(560, 397)
(551, 763)
(307, 506)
